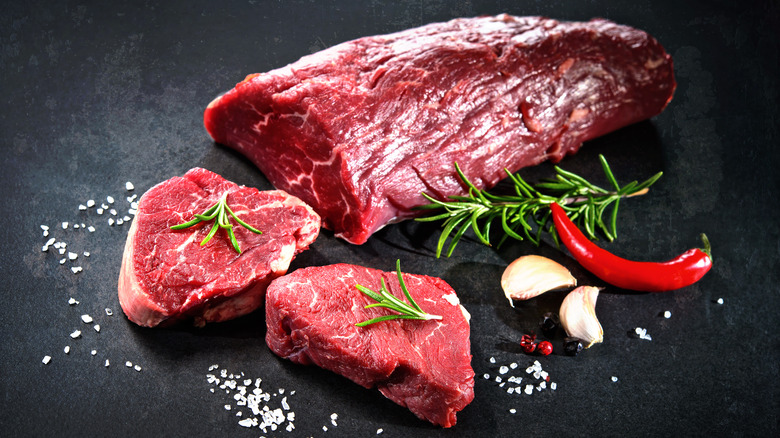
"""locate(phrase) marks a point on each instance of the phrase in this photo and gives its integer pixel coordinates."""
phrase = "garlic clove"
(578, 315)
(533, 275)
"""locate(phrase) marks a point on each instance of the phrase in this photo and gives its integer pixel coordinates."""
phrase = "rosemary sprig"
(525, 215)
(385, 299)
(220, 211)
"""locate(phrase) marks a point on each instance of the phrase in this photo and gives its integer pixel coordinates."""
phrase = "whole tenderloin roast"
(167, 276)
(360, 130)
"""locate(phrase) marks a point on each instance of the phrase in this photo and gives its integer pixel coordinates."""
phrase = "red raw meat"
(166, 276)
(422, 365)
(361, 129)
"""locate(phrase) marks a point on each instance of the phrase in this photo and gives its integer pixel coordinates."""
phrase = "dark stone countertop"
(100, 93)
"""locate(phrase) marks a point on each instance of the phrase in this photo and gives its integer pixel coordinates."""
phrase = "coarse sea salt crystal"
(720, 301)
(128, 364)
(64, 225)
(503, 369)
(97, 328)
(91, 229)
(72, 256)
(109, 312)
(72, 301)
(129, 186)
(93, 352)
(82, 207)
(137, 367)
(107, 363)
(46, 360)
(110, 199)
(513, 411)
(91, 203)
(667, 314)
(76, 334)
(66, 350)
(76, 269)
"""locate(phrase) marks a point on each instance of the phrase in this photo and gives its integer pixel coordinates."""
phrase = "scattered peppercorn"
(528, 343)
(572, 346)
(544, 348)
(549, 322)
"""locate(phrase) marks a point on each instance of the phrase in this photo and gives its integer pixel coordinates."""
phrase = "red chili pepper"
(681, 271)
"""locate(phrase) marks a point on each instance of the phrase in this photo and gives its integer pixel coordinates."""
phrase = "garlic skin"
(533, 275)
(578, 315)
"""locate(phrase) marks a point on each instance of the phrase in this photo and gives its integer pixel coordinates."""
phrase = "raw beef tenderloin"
(422, 365)
(361, 129)
(167, 276)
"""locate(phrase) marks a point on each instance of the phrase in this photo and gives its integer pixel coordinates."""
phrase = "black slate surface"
(99, 93)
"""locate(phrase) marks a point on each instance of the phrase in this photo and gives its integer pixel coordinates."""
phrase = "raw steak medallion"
(167, 275)
(422, 365)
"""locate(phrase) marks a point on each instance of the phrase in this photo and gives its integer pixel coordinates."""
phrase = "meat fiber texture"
(360, 130)
(422, 365)
(167, 276)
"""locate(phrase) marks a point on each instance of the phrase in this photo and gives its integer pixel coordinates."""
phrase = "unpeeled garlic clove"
(578, 315)
(533, 275)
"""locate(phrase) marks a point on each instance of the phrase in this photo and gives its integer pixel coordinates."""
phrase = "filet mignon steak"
(422, 365)
(167, 276)
(360, 130)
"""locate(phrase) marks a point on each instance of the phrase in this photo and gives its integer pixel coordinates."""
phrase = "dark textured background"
(99, 93)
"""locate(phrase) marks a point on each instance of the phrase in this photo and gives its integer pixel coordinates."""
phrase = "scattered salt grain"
(62, 261)
(46, 360)
(107, 363)
(720, 301)
(109, 312)
(503, 369)
(99, 211)
(97, 328)
(64, 225)
(486, 376)
(246, 422)
(128, 364)
(72, 301)
(76, 334)
(86, 253)
(82, 207)
(77, 226)
(513, 411)
(72, 256)
(66, 350)
(93, 352)
(76, 269)
(111, 221)
(129, 186)
(529, 389)
(553, 386)
(379, 431)
(45, 227)
(641, 333)
(110, 199)
(614, 379)
(91, 203)
(137, 368)
(492, 360)
(333, 418)
(513, 365)
(91, 229)
(667, 314)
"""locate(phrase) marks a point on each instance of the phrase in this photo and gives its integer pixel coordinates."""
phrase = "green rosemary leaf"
(220, 213)
(608, 172)
(384, 298)
(584, 202)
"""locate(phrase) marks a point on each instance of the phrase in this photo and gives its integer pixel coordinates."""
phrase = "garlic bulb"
(533, 275)
(578, 315)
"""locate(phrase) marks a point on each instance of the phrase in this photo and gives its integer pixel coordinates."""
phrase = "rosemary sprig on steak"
(385, 299)
(584, 202)
(220, 211)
